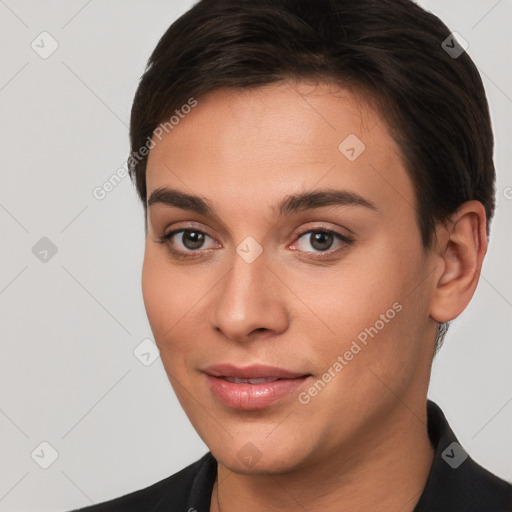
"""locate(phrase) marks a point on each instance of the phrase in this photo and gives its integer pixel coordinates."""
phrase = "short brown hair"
(433, 101)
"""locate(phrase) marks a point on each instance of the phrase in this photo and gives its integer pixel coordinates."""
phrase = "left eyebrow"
(290, 204)
(321, 198)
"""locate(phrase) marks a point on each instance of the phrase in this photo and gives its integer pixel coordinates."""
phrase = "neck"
(395, 455)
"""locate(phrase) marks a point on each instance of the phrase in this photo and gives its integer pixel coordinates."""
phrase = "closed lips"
(263, 380)
(251, 387)
(254, 374)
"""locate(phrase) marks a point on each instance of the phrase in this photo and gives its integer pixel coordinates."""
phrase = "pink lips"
(267, 384)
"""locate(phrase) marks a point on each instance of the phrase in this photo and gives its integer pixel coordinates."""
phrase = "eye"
(187, 243)
(322, 240)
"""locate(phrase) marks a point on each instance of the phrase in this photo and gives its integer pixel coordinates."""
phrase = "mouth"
(252, 387)
(263, 380)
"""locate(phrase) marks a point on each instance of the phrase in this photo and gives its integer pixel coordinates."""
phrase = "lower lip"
(252, 396)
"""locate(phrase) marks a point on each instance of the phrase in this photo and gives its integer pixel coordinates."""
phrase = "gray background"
(69, 325)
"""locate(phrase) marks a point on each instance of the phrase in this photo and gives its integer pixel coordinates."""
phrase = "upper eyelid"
(318, 229)
(189, 227)
(300, 232)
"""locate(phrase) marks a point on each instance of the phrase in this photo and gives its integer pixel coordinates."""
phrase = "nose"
(250, 301)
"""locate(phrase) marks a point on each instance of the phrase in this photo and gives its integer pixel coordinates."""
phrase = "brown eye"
(321, 240)
(192, 239)
(185, 243)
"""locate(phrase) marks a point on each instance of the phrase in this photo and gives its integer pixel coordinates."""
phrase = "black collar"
(456, 483)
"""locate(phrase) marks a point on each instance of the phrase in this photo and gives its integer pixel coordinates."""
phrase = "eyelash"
(165, 239)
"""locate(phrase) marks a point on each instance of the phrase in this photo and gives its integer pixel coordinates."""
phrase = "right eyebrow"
(178, 199)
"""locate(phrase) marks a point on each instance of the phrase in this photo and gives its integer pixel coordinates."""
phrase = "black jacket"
(456, 483)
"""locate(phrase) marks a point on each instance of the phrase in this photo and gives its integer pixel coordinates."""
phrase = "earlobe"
(461, 252)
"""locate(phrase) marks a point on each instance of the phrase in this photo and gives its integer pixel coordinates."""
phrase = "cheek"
(361, 372)
(169, 291)
(156, 292)
(372, 309)
(173, 298)
(381, 339)
(166, 299)
(351, 297)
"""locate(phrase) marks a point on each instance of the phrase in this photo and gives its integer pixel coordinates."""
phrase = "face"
(283, 247)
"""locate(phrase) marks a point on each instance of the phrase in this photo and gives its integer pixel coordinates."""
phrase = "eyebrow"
(290, 204)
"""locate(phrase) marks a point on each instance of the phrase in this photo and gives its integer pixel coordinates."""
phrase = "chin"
(260, 456)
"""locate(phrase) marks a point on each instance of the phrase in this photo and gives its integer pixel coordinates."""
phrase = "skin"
(351, 444)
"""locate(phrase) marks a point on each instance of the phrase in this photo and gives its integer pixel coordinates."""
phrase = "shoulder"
(456, 482)
(467, 488)
(192, 484)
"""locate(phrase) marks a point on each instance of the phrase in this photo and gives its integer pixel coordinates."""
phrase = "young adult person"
(318, 184)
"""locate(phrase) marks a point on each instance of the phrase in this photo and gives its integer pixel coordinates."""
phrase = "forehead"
(278, 139)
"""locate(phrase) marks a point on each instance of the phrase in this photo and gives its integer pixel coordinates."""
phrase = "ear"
(462, 244)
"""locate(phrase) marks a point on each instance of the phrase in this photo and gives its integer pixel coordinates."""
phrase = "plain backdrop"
(72, 313)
